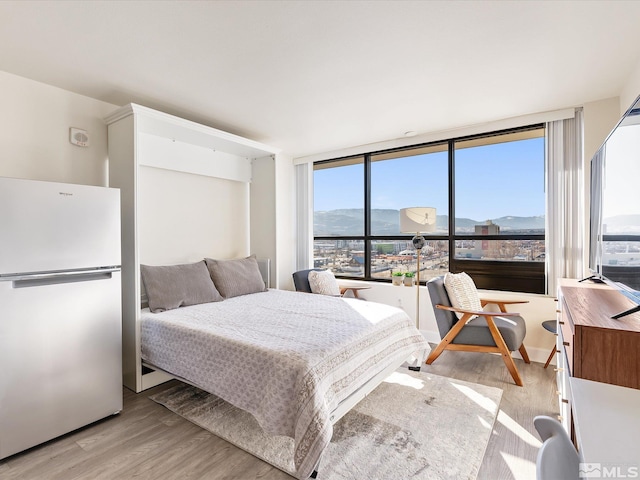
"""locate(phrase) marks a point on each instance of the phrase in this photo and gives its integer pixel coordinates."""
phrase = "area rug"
(415, 425)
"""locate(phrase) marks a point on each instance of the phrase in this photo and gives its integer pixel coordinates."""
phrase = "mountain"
(622, 225)
(350, 222)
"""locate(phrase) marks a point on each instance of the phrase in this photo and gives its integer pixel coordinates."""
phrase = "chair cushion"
(324, 283)
(438, 295)
(301, 280)
(462, 292)
(476, 332)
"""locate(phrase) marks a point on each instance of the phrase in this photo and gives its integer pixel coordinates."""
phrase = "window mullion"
(367, 216)
(452, 215)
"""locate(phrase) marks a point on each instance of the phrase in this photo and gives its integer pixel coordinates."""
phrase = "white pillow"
(462, 292)
(323, 282)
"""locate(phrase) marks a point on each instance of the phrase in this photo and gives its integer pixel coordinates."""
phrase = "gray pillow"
(238, 277)
(174, 286)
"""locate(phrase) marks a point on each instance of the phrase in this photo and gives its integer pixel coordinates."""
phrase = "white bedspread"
(288, 358)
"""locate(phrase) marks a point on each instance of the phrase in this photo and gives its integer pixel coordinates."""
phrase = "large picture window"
(488, 192)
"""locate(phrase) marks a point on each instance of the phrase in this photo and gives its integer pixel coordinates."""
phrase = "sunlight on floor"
(502, 417)
(518, 430)
(484, 423)
(406, 380)
(478, 398)
(520, 468)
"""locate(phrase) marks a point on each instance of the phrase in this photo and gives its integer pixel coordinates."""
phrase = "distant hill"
(622, 225)
(350, 221)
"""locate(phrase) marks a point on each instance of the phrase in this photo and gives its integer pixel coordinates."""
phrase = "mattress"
(288, 358)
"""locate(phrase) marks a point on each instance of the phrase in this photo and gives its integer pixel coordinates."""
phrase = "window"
(488, 192)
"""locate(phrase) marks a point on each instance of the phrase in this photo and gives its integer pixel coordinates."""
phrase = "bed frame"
(169, 169)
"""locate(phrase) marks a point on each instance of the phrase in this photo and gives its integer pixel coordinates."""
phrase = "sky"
(492, 181)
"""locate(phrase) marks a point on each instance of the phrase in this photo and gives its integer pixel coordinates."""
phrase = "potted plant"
(408, 279)
(396, 278)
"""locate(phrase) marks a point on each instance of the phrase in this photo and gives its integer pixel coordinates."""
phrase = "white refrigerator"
(60, 309)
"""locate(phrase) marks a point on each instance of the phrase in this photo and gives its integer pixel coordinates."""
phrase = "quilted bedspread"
(288, 358)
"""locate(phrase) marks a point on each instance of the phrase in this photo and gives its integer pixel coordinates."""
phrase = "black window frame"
(517, 276)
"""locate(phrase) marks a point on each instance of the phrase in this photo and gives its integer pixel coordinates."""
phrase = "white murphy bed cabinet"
(189, 191)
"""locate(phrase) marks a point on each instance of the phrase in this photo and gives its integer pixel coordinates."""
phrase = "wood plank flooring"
(146, 441)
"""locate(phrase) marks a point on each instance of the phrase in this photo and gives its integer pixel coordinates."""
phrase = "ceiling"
(315, 76)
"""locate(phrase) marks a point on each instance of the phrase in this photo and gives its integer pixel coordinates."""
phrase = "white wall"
(631, 89)
(599, 119)
(34, 133)
(184, 217)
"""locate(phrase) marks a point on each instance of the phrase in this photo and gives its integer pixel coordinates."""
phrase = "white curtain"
(304, 215)
(565, 215)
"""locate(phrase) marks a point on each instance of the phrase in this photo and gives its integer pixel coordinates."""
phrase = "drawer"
(564, 388)
(566, 336)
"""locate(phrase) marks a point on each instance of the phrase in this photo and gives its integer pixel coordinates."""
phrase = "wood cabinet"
(592, 345)
(598, 347)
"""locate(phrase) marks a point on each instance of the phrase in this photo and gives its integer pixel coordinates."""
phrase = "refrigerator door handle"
(53, 278)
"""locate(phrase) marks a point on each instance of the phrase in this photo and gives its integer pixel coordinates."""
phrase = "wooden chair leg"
(448, 338)
(435, 353)
(553, 352)
(504, 351)
(525, 355)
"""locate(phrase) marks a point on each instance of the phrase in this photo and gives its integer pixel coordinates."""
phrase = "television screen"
(614, 254)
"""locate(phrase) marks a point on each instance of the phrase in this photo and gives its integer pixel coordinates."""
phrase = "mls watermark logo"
(606, 470)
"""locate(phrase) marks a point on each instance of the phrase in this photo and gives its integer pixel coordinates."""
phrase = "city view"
(498, 190)
(346, 257)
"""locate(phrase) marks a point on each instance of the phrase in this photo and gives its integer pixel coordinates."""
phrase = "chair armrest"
(500, 303)
(480, 313)
(487, 301)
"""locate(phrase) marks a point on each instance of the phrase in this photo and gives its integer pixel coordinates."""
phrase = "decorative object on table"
(397, 278)
(418, 220)
(408, 279)
(475, 330)
(397, 431)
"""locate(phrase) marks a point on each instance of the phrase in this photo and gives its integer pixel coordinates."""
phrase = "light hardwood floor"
(146, 441)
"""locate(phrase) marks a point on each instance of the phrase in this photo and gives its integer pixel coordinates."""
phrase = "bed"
(295, 361)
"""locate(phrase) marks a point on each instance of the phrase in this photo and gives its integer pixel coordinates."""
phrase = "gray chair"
(557, 457)
(492, 332)
(301, 280)
(301, 283)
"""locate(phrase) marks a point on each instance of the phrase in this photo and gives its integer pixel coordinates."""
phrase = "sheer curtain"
(565, 215)
(304, 215)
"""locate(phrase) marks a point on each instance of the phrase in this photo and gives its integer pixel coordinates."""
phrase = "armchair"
(477, 330)
(301, 283)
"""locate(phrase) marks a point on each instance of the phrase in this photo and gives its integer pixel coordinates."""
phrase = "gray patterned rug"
(415, 425)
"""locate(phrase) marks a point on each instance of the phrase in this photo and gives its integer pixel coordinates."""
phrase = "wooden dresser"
(598, 347)
(592, 345)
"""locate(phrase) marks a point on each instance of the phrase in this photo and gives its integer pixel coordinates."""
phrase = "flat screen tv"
(614, 252)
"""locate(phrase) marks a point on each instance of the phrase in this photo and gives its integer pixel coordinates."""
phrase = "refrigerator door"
(60, 352)
(49, 226)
